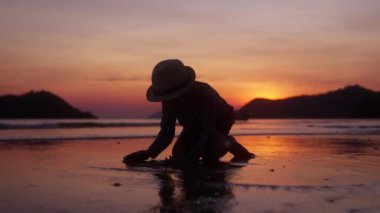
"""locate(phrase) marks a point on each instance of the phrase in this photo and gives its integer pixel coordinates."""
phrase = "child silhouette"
(205, 116)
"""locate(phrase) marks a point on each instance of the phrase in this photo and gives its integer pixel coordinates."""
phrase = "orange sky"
(99, 54)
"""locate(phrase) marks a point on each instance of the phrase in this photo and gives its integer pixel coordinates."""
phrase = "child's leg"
(185, 143)
(239, 151)
(191, 147)
(215, 147)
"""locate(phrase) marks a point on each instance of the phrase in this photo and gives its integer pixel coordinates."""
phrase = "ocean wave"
(50, 139)
(66, 125)
(345, 126)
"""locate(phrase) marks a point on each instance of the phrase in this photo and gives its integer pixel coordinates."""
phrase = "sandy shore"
(290, 174)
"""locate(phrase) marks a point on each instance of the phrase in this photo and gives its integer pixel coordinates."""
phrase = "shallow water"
(290, 174)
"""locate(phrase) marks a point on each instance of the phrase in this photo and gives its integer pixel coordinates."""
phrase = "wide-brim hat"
(170, 79)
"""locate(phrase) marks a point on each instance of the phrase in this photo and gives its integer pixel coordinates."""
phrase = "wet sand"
(290, 174)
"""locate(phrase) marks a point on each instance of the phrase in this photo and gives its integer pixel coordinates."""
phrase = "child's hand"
(136, 157)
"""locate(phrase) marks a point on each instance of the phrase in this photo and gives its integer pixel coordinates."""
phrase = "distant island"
(40, 104)
(155, 115)
(350, 102)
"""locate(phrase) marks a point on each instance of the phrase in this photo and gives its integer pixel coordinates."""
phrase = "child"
(205, 116)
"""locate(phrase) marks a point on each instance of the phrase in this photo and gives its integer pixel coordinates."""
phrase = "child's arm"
(163, 139)
(166, 134)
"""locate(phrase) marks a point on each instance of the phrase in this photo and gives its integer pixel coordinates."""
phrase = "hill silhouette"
(40, 104)
(350, 102)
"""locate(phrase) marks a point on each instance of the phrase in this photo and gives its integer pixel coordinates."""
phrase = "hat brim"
(152, 97)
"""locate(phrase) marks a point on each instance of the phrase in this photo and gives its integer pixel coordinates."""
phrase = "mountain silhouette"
(350, 102)
(40, 104)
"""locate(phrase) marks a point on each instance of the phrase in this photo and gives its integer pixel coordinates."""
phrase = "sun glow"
(268, 91)
(268, 94)
(238, 94)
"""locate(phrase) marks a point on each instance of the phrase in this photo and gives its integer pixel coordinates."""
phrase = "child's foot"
(243, 157)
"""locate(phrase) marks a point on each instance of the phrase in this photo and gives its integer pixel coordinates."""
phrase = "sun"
(267, 95)
(267, 91)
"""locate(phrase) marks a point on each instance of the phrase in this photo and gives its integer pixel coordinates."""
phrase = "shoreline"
(102, 138)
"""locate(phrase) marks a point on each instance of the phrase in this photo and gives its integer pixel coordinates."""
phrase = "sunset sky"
(98, 55)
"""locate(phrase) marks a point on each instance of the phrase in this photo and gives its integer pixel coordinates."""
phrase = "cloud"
(6, 87)
(363, 23)
(132, 78)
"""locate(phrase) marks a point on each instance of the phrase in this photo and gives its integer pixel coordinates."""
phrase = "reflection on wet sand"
(309, 144)
(195, 190)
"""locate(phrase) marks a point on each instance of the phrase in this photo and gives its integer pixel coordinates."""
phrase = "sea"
(20, 130)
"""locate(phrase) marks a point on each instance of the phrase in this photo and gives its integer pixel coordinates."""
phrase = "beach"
(305, 173)
(88, 85)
